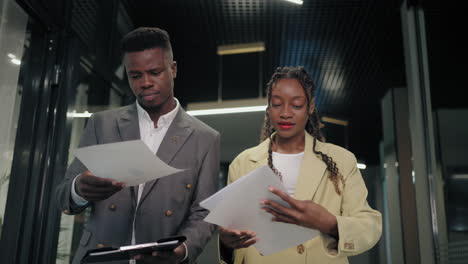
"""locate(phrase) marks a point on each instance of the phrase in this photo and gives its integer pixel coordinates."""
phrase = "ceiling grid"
(352, 48)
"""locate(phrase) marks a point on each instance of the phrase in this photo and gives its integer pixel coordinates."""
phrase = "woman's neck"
(291, 145)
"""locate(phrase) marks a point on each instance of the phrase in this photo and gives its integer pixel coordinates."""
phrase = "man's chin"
(150, 105)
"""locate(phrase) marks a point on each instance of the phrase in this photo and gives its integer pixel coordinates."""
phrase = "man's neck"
(156, 112)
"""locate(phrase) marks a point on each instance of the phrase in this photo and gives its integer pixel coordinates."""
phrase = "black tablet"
(127, 252)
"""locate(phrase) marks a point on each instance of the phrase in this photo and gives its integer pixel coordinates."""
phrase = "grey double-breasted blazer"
(168, 206)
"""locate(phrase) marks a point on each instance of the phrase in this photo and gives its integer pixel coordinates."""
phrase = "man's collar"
(163, 120)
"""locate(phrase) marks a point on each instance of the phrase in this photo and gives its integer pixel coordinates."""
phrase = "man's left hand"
(166, 257)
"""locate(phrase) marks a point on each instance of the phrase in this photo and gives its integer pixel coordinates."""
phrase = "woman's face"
(288, 108)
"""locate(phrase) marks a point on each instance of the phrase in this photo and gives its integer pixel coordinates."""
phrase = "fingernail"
(270, 189)
(262, 202)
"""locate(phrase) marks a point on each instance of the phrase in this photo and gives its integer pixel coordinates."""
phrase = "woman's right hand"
(236, 239)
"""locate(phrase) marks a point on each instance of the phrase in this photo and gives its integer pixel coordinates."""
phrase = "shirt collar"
(164, 120)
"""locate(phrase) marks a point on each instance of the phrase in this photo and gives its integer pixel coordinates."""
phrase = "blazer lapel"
(176, 135)
(129, 129)
(311, 171)
(178, 132)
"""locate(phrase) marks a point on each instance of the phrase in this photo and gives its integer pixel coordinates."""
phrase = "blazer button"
(188, 186)
(169, 213)
(112, 207)
(300, 249)
(100, 245)
(67, 212)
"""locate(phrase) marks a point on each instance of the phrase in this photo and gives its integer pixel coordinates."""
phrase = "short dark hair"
(144, 38)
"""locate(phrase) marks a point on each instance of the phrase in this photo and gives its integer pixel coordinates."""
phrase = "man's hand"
(163, 257)
(236, 239)
(93, 188)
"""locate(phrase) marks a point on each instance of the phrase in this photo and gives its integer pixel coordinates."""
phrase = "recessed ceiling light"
(241, 48)
(299, 2)
(231, 110)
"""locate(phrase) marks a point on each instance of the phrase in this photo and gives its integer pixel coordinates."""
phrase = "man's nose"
(146, 81)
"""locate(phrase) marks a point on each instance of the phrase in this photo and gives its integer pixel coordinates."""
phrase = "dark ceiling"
(353, 50)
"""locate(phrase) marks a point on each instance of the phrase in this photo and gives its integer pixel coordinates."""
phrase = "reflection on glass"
(13, 21)
(452, 128)
(71, 226)
(67, 222)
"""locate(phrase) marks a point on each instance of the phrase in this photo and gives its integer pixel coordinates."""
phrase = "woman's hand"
(236, 239)
(302, 213)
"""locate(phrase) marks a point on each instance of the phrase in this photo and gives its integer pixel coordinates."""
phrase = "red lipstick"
(286, 125)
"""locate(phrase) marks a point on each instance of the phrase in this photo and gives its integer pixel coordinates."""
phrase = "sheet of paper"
(237, 206)
(131, 162)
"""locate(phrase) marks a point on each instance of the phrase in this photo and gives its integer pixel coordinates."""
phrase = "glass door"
(14, 42)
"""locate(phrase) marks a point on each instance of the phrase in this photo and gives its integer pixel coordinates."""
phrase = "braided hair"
(313, 124)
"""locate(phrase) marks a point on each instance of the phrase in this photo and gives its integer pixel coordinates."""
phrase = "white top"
(288, 165)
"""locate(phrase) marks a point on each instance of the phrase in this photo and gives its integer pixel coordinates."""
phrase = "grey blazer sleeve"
(63, 191)
(194, 228)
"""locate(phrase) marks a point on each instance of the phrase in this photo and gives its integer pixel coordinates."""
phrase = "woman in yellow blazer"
(326, 189)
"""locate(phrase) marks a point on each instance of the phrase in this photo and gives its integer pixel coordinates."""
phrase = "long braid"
(335, 176)
(270, 160)
(267, 133)
(268, 129)
(313, 125)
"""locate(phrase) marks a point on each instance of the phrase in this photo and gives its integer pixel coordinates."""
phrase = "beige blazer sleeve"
(359, 226)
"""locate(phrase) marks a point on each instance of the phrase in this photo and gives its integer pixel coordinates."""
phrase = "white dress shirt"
(152, 137)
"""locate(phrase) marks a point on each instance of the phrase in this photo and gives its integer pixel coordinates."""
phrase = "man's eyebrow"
(156, 69)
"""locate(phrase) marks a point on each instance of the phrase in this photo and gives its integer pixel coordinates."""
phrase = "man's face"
(151, 76)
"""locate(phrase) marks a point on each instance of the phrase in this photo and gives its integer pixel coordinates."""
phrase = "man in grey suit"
(165, 207)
